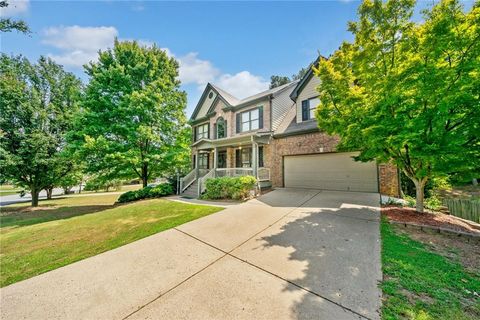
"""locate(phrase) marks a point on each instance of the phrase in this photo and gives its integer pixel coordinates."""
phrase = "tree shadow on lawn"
(26, 216)
(335, 254)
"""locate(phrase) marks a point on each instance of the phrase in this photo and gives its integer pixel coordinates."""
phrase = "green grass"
(420, 284)
(6, 190)
(66, 230)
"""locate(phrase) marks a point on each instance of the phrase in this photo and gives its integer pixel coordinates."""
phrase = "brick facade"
(388, 180)
(296, 145)
(319, 142)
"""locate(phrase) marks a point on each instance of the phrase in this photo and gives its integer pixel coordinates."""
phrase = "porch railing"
(186, 181)
(234, 172)
(263, 174)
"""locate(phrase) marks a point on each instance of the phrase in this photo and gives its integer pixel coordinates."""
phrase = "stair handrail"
(186, 181)
(201, 184)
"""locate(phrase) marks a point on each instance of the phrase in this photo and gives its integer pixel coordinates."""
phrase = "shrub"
(410, 201)
(97, 184)
(158, 191)
(433, 203)
(236, 188)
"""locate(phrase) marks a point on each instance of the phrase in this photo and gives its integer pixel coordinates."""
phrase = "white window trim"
(204, 133)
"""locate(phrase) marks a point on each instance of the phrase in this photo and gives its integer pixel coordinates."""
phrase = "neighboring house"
(273, 135)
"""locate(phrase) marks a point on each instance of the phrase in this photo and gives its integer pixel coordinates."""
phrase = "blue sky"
(236, 45)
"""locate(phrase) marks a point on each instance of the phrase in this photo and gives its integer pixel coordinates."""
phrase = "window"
(308, 108)
(202, 131)
(260, 157)
(243, 158)
(250, 120)
(221, 127)
(203, 161)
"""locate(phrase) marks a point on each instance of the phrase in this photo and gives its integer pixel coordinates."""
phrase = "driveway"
(291, 254)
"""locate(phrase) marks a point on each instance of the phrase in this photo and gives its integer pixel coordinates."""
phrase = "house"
(273, 135)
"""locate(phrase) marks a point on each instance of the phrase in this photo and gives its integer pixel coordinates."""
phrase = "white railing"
(234, 172)
(186, 181)
(202, 181)
(263, 174)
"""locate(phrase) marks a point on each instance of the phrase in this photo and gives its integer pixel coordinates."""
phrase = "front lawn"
(423, 282)
(7, 190)
(62, 231)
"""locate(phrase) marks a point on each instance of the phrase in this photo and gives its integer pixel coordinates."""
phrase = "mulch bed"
(439, 220)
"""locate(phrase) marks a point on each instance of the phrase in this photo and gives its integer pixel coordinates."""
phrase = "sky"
(235, 45)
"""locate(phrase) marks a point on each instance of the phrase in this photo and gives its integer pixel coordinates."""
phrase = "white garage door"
(330, 171)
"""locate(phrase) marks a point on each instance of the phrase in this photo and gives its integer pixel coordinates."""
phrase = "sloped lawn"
(422, 282)
(63, 231)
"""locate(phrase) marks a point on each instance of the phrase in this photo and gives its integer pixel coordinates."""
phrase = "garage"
(330, 171)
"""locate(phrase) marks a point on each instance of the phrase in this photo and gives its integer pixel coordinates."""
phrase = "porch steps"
(191, 191)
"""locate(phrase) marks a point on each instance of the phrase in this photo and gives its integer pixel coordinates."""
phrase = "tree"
(9, 25)
(133, 113)
(37, 103)
(407, 93)
(277, 81)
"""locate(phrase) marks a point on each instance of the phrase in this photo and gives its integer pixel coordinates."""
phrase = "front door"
(222, 159)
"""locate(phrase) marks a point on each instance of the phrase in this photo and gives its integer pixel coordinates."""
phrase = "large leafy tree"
(133, 121)
(9, 25)
(405, 92)
(37, 104)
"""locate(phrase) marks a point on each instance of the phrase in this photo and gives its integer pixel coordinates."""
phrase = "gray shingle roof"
(235, 102)
(300, 127)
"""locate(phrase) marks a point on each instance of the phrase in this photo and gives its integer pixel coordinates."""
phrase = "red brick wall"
(389, 181)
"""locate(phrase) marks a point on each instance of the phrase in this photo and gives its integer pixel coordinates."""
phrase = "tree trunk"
(34, 193)
(475, 182)
(419, 192)
(145, 175)
(49, 193)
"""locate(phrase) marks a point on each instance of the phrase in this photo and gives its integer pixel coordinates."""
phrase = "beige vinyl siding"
(206, 105)
(281, 104)
(330, 171)
(308, 91)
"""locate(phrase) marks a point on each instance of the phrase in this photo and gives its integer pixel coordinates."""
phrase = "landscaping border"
(430, 229)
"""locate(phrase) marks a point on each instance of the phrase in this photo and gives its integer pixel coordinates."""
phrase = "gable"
(209, 98)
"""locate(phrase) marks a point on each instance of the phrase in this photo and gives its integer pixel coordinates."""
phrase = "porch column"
(196, 164)
(215, 160)
(255, 158)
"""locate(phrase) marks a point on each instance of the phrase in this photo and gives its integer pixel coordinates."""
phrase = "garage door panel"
(335, 171)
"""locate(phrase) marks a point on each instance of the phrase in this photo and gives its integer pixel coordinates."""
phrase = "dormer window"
(308, 108)
(221, 128)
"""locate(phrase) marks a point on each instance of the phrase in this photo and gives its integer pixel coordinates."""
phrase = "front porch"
(232, 157)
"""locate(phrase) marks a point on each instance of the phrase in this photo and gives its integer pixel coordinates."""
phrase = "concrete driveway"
(291, 254)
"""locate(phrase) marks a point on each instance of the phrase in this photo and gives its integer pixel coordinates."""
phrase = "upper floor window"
(250, 120)
(202, 131)
(308, 108)
(221, 128)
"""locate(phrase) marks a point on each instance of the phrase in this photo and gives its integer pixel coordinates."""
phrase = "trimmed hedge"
(161, 190)
(236, 188)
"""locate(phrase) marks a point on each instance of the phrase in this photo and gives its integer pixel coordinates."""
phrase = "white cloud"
(242, 84)
(15, 7)
(78, 45)
(195, 70)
